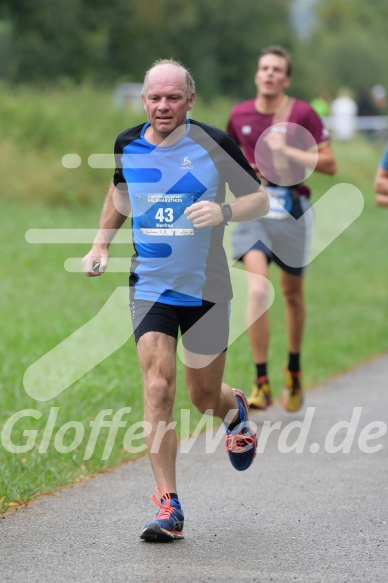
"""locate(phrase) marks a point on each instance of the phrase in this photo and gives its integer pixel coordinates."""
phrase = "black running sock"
(294, 361)
(261, 370)
(170, 495)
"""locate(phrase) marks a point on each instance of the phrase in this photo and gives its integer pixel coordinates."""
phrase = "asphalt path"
(313, 507)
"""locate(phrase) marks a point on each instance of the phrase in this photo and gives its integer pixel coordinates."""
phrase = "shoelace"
(238, 443)
(165, 509)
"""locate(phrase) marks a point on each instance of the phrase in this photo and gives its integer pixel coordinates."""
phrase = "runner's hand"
(95, 262)
(204, 214)
(276, 142)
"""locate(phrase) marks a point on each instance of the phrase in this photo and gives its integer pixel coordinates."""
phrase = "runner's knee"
(158, 396)
(293, 298)
(258, 292)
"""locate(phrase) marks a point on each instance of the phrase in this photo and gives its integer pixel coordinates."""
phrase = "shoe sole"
(155, 533)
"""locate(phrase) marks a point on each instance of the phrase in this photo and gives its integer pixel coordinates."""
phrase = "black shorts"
(204, 329)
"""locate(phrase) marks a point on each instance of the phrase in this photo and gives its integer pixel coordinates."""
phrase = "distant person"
(281, 137)
(173, 172)
(380, 101)
(344, 111)
(379, 97)
(321, 104)
(367, 108)
(365, 104)
(381, 181)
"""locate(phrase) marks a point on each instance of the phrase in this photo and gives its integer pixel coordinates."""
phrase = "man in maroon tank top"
(284, 140)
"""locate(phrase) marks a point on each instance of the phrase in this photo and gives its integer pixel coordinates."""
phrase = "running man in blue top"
(171, 175)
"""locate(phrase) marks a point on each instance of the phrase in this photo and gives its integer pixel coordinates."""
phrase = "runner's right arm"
(115, 210)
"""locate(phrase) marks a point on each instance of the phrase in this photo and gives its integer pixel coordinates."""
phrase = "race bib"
(163, 214)
(280, 202)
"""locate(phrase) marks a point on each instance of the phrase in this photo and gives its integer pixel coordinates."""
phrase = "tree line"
(46, 41)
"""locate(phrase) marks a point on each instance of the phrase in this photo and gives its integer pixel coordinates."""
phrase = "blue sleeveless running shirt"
(174, 263)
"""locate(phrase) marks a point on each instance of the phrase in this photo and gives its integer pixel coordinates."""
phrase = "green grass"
(38, 129)
(42, 303)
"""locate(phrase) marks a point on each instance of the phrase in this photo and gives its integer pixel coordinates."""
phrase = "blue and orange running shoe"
(241, 442)
(167, 526)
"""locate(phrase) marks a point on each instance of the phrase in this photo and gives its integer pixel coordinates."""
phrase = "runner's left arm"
(244, 208)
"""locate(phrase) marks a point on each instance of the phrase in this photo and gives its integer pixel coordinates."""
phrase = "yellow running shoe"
(292, 398)
(261, 396)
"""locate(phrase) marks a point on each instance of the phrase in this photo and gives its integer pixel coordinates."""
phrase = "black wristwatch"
(226, 212)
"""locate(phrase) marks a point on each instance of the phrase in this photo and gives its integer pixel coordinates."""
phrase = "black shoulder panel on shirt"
(126, 137)
(233, 166)
(122, 140)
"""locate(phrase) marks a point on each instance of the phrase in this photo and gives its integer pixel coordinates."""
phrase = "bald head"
(168, 95)
(168, 69)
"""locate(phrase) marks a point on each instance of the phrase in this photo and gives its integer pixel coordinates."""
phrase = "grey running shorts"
(284, 241)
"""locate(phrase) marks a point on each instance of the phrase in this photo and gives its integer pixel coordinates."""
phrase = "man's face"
(165, 99)
(271, 77)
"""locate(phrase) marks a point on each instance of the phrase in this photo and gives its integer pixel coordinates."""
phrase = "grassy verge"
(42, 303)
